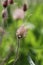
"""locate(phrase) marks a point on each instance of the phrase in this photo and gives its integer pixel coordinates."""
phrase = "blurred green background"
(32, 44)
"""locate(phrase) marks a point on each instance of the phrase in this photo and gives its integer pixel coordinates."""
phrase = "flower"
(10, 1)
(4, 14)
(5, 3)
(18, 14)
(21, 32)
(24, 7)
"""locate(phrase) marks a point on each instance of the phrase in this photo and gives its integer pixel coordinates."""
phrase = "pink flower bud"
(5, 3)
(10, 1)
(4, 14)
(24, 7)
(18, 14)
(21, 31)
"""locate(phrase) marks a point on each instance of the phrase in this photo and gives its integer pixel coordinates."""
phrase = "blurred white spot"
(30, 26)
(30, 61)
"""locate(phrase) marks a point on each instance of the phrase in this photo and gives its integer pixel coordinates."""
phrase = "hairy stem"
(17, 53)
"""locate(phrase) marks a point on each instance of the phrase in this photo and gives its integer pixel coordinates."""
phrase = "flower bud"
(4, 14)
(24, 7)
(10, 1)
(5, 3)
(18, 14)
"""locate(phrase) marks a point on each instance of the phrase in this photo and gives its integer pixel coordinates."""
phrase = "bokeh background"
(32, 44)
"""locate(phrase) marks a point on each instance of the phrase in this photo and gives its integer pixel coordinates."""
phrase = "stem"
(5, 60)
(17, 54)
(1, 39)
(9, 15)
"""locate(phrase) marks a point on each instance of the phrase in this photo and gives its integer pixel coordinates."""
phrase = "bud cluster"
(18, 13)
(7, 2)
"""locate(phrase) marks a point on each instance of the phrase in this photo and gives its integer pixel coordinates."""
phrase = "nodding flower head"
(24, 7)
(4, 14)
(2, 31)
(18, 14)
(5, 3)
(21, 31)
(10, 1)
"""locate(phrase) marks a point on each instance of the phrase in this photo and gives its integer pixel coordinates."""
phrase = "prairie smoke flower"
(18, 14)
(5, 3)
(4, 14)
(21, 32)
(24, 7)
(10, 1)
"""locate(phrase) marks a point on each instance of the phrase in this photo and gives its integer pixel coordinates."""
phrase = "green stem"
(17, 53)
